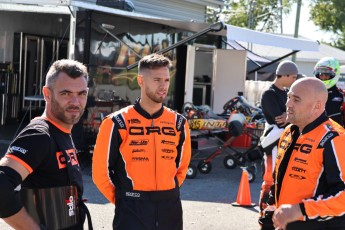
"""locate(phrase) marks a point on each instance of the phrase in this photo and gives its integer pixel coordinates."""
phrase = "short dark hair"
(153, 61)
(72, 68)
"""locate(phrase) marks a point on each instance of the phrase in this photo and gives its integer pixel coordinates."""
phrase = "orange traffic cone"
(243, 195)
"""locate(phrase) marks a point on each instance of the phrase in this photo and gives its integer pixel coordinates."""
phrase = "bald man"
(309, 176)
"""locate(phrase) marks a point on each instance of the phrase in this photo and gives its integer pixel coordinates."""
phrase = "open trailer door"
(190, 73)
(213, 76)
(230, 70)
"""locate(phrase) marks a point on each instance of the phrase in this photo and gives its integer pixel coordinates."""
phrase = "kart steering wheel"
(230, 105)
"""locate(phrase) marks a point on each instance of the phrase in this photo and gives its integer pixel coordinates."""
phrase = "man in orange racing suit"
(309, 177)
(142, 155)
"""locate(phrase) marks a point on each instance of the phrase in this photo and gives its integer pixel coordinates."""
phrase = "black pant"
(148, 214)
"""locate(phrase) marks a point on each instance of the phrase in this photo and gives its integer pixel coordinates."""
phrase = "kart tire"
(251, 175)
(229, 162)
(204, 167)
(192, 171)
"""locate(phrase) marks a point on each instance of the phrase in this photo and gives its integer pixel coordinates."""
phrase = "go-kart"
(239, 118)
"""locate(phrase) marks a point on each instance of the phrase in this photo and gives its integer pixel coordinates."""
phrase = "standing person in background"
(43, 160)
(328, 71)
(273, 106)
(309, 176)
(142, 155)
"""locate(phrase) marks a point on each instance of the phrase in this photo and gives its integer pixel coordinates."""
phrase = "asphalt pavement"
(206, 200)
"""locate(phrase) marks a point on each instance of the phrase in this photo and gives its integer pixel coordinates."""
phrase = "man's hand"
(281, 119)
(270, 208)
(285, 214)
(265, 220)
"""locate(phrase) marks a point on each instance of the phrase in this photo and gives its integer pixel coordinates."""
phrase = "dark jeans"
(148, 214)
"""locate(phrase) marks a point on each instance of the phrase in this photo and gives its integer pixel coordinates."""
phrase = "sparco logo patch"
(71, 206)
(133, 194)
(326, 138)
(179, 123)
(119, 121)
(139, 142)
(18, 149)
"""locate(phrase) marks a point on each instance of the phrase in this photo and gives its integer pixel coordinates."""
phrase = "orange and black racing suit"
(310, 171)
(139, 163)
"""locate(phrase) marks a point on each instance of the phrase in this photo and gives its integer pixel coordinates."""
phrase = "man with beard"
(40, 179)
(142, 155)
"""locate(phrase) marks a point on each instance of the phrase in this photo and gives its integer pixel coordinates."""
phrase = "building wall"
(29, 23)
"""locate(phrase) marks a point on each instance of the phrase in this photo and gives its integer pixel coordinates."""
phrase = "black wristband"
(10, 200)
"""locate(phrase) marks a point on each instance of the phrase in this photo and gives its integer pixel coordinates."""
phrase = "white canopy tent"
(231, 32)
(251, 36)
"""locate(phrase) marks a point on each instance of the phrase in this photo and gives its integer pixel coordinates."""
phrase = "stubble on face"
(156, 93)
(60, 112)
(152, 95)
(303, 111)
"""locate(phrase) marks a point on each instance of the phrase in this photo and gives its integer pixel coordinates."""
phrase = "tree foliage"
(329, 15)
(266, 15)
(262, 15)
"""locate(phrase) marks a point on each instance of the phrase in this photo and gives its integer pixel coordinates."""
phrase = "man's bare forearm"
(21, 220)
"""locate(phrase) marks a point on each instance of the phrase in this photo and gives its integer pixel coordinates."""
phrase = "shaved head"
(315, 88)
(307, 99)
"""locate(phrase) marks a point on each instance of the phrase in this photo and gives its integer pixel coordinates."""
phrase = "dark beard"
(59, 113)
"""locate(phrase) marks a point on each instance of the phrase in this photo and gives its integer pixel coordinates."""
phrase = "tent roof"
(305, 56)
(231, 32)
(231, 44)
(257, 37)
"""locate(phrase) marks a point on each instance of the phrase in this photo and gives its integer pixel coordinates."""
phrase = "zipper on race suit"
(154, 152)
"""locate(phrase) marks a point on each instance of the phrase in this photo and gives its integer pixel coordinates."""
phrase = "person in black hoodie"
(273, 106)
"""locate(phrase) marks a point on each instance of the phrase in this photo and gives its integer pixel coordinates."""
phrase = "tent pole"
(272, 62)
